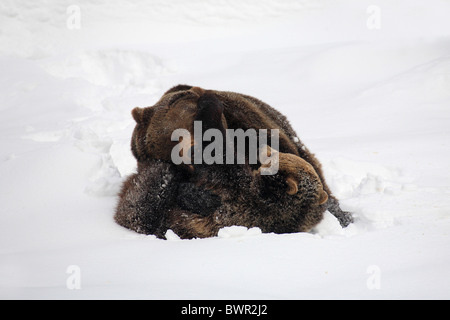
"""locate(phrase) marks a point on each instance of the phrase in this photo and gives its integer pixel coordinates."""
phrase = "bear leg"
(146, 197)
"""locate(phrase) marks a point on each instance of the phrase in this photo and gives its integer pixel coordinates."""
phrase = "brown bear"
(197, 199)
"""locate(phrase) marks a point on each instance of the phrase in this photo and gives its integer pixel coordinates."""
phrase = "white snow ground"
(366, 84)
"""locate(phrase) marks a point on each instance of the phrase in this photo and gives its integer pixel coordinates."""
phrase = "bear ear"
(209, 104)
(210, 110)
(292, 186)
(323, 197)
(137, 114)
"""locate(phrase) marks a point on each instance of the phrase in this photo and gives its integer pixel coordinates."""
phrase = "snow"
(238, 231)
(369, 95)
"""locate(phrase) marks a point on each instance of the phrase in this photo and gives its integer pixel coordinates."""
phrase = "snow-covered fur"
(197, 200)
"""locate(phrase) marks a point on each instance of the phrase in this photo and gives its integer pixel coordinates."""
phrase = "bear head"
(178, 108)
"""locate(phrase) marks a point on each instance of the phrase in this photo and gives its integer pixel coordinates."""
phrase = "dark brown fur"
(197, 200)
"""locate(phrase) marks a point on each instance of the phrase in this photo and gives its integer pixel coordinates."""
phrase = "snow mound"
(238, 232)
(349, 178)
